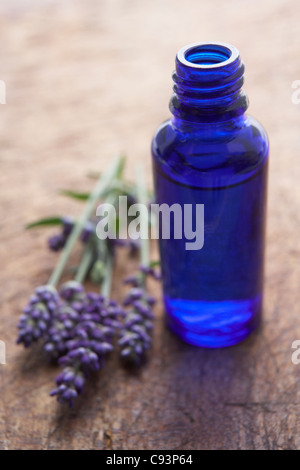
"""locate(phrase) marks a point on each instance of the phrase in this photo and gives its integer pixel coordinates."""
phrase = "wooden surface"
(86, 81)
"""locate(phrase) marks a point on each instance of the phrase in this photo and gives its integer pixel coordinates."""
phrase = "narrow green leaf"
(49, 221)
(154, 264)
(75, 194)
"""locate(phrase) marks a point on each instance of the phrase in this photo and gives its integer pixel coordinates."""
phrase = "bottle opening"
(207, 54)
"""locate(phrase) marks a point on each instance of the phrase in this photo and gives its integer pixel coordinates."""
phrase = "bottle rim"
(213, 55)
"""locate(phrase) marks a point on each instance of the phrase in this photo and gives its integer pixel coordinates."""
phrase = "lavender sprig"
(39, 312)
(135, 335)
(91, 338)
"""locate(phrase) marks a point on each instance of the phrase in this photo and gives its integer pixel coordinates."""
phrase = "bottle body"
(213, 295)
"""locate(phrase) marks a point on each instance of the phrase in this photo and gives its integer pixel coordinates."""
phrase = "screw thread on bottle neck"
(208, 83)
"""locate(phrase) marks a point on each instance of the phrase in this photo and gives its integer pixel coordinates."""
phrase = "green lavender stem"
(142, 198)
(108, 257)
(100, 188)
(85, 263)
(107, 282)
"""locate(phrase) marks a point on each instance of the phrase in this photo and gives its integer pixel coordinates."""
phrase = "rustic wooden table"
(88, 80)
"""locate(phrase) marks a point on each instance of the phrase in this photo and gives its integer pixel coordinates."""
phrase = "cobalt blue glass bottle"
(212, 153)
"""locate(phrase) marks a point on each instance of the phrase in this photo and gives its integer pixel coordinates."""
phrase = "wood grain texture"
(88, 80)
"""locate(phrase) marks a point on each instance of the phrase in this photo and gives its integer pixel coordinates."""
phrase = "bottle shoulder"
(231, 151)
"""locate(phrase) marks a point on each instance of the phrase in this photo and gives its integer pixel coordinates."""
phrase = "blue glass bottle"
(212, 153)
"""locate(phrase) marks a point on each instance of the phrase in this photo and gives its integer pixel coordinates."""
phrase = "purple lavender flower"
(88, 231)
(37, 315)
(150, 272)
(139, 278)
(57, 242)
(133, 280)
(131, 199)
(135, 336)
(104, 312)
(91, 341)
(65, 319)
(134, 247)
(68, 224)
(60, 331)
(70, 384)
(73, 293)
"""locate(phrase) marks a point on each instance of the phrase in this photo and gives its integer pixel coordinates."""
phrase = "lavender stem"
(101, 186)
(85, 263)
(107, 282)
(142, 197)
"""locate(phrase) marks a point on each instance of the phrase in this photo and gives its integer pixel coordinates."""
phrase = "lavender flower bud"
(68, 224)
(56, 242)
(133, 280)
(88, 231)
(150, 272)
(72, 292)
(134, 339)
(38, 315)
(69, 385)
(60, 331)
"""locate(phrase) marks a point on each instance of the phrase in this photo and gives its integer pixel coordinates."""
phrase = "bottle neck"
(208, 84)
